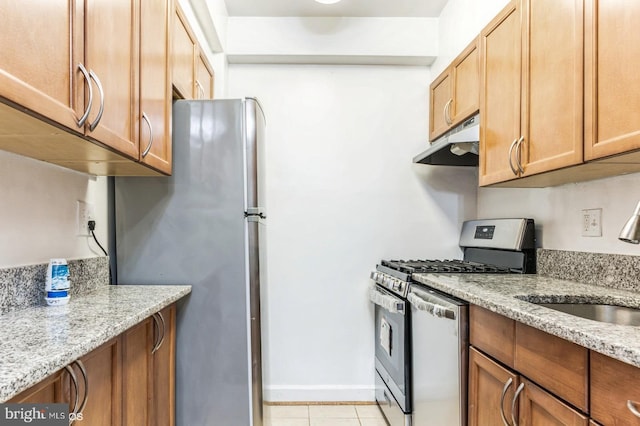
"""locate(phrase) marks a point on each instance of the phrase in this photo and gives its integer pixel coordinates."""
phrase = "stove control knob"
(400, 286)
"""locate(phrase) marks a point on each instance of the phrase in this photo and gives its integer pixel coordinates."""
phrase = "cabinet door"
(50, 390)
(612, 60)
(103, 406)
(614, 391)
(539, 408)
(41, 45)
(552, 78)
(183, 56)
(466, 84)
(491, 389)
(440, 102)
(164, 365)
(136, 377)
(204, 78)
(500, 95)
(111, 52)
(155, 87)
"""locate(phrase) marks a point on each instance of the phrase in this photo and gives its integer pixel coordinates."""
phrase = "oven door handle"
(388, 302)
(426, 303)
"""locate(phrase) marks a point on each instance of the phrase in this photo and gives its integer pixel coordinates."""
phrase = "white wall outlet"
(592, 223)
(84, 213)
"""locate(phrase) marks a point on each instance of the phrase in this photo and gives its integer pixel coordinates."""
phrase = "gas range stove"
(494, 246)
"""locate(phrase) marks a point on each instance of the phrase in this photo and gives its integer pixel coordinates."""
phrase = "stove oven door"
(392, 346)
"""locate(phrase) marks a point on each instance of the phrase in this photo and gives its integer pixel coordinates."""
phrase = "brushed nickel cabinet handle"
(85, 378)
(156, 339)
(519, 154)
(148, 148)
(164, 329)
(631, 405)
(513, 144)
(74, 381)
(447, 112)
(87, 79)
(513, 404)
(95, 78)
(504, 393)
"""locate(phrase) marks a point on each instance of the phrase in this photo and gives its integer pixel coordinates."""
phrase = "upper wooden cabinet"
(183, 56)
(454, 93)
(154, 115)
(77, 69)
(192, 73)
(204, 78)
(532, 83)
(612, 83)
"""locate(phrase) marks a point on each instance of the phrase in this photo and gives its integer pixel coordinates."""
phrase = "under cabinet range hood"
(457, 147)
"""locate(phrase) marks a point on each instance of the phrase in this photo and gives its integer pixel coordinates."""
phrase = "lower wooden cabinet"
(103, 394)
(498, 395)
(615, 394)
(548, 381)
(491, 390)
(127, 381)
(164, 370)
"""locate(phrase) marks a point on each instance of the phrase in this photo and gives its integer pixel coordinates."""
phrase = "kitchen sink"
(613, 314)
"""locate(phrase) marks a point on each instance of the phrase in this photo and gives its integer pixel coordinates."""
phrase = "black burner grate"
(443, 266)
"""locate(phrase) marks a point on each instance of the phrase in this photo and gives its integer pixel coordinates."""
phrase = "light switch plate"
(591, 223)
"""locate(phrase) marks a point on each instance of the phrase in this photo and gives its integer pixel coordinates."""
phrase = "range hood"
(457, 147)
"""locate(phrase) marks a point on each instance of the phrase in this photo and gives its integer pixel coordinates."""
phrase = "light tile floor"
(323, 415)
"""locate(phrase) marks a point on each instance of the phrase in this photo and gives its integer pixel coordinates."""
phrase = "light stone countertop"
(36, 342)
(507, 295)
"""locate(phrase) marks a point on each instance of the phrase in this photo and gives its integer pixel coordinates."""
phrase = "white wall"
(342, 195)
(38, 213)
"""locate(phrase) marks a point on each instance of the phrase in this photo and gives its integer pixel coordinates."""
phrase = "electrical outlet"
(84, 213)
(592, 223)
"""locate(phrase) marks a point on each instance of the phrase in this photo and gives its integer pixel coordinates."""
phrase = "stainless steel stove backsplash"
(607, 270)
(23, 286)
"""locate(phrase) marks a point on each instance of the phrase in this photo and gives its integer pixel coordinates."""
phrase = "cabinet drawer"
(492, 333)
(554, 363)
(613, 385)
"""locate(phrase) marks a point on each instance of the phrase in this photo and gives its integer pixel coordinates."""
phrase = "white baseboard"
(326, 393)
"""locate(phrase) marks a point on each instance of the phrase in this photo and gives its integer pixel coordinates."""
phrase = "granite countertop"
(508, 295)
(39, 341)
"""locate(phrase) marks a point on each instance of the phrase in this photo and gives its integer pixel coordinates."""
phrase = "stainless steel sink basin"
(613, 314)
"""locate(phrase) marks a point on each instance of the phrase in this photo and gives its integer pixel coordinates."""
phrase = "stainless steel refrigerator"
(205, 226)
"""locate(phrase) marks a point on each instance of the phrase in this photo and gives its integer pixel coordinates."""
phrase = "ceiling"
(352, 8)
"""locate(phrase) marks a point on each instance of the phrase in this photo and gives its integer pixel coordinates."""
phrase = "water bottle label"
(59, 277)
(54, 294)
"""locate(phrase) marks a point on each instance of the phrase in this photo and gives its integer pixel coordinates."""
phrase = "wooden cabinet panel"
(554, 363)
(440, 101)
(500, 94)
(613, 385)
(136, 377)
(183, 56)
(204, 78)
(154, 117)
(487, 381)
(552, 92)
(612, 59)
(539, 408)
(164, 364)
(51, 389)
(466, 83)
(453, 95)
(111, 52)
(492, 333)
(41, 45)
(103, 367)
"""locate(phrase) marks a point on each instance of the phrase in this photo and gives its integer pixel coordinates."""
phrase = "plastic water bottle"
(57, 283)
